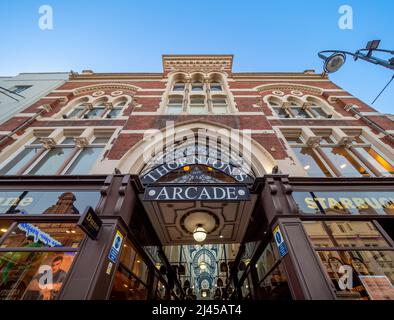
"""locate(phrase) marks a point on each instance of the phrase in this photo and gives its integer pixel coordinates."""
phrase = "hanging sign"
(90, 223)
(280, 242)
(229, 192)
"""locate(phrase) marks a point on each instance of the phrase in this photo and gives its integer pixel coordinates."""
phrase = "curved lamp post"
(335, 59)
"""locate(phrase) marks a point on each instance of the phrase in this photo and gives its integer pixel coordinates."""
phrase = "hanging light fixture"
(199, 234)
(203, 266)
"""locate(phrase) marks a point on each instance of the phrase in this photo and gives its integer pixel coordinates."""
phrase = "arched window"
(277, 107)
(317, 109)
(179, 86)
(298, 111)
(96, 111)
(196, 173)
(216, 86)
(116, 110)
(295, 107)
(197, 86)
(76, 112)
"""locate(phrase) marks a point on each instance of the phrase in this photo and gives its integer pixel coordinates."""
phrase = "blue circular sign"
(278, 237)
(117, 242)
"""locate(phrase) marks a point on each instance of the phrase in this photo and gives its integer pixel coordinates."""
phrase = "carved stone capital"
(81, 142)
(48, 143)
(45, 107)
(88, 106)
(313, 141)
(109, 105)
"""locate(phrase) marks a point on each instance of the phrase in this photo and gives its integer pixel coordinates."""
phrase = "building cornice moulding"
(289, 86)
(105, 86)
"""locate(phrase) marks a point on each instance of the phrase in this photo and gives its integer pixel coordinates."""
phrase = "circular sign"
(278, 237)
(118, 242)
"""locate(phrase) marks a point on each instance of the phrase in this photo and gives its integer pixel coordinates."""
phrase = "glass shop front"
(349, 235)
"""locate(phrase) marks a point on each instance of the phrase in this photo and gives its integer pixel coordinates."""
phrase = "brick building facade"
(321, 163)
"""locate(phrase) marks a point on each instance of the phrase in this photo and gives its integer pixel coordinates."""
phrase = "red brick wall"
(122, 144)
(244, 100)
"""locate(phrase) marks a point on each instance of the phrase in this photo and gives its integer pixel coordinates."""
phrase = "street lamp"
(337, 58)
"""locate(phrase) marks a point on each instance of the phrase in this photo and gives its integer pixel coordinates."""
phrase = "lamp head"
(199, 234)
(334, 62)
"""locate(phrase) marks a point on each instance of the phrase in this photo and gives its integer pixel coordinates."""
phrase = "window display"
(47, 202)
(46, 235)
(33, 275)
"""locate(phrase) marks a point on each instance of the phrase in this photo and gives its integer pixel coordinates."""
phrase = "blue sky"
(131, 36)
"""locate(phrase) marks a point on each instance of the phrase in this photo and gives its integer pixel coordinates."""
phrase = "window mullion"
(287, 109)
(364, 161)
(327, 160)
(32, 161)
(67, 161)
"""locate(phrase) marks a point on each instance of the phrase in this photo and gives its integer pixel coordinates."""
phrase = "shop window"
(47, 202)
(271, 277)
(274, 285)
(267, 260)
(4, 227)
(246, 290)
(33, 275)
(345, 202)
(131, 277)
(371, 272)
(40, 235)
(161, 291)
(333, 234)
